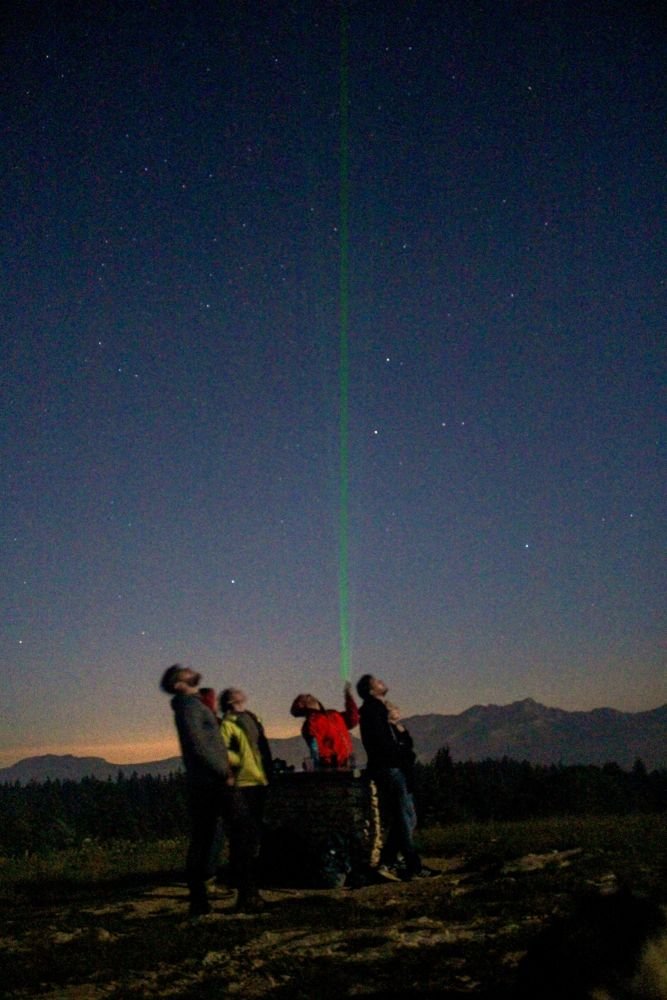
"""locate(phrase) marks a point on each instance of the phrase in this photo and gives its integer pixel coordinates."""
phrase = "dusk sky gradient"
(171, 258)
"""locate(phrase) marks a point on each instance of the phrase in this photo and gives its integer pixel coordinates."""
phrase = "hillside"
(67, 767)
(523, 730)
(526, 730)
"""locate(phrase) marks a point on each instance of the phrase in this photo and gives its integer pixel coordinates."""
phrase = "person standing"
(250, 758)
(208, 777)
(325, 730)
(408, 758)
(386, 766)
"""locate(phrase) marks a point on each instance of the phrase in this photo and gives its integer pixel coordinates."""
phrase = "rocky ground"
(463, 933)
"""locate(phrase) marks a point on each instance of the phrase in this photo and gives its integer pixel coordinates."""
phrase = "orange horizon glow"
(114, 753)
(117, 752)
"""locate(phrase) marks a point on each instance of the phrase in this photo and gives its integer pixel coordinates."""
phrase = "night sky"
(176, 178)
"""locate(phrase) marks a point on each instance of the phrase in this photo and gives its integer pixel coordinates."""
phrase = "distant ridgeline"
(523, 730)
(52, 815)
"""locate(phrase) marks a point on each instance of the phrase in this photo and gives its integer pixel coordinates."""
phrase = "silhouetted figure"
(385, 766)
(208, 775)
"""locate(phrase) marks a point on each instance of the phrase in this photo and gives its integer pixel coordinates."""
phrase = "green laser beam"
(344, 364)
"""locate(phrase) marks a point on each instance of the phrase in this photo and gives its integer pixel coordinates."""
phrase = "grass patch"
(95, 862)
(629, 836)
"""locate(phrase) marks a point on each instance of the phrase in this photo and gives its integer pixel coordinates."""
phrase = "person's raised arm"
(350, 712)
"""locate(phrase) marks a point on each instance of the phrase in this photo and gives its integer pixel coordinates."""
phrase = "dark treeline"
(51, 815)
(448, 791)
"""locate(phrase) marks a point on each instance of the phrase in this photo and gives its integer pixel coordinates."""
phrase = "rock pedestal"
(318, 823)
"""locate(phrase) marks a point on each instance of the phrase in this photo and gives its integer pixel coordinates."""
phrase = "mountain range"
(526, 730)
(523, 730)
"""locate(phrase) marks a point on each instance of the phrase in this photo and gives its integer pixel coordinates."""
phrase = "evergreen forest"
(41, 817)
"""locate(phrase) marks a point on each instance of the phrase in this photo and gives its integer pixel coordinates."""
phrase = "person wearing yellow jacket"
(250, 759)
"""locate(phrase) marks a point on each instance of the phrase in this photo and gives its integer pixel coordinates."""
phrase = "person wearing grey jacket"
(211, 797)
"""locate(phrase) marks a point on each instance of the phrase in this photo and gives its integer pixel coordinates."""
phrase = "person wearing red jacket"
(325, 730)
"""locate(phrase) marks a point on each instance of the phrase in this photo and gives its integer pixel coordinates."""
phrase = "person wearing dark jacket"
(209, 782)
(405, 742)
(386, 766)
(408, 759)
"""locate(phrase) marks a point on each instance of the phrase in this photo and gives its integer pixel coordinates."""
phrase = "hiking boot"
(389, 873)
